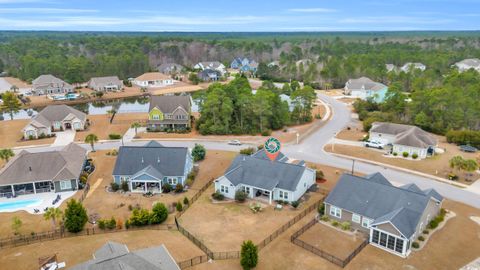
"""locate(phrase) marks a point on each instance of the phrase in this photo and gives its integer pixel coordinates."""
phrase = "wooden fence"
(193, 261)
(324, 254)
(194, 198)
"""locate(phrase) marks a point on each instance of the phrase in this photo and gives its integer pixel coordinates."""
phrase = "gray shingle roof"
(261, 154)
(48, 80)
(53, 165)
(52, 113)
(103, 81)
(115, 256)
(405, 134)
(168, 161)
(364, 83)
(170, 67)
(263, 173)
(168, 104)
(380, 202)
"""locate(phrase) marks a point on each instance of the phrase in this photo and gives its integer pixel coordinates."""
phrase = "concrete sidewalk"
(64, 137)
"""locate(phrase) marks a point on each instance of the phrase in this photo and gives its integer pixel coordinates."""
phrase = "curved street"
(311, 149)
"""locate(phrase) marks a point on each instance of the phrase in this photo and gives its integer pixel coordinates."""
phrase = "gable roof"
(169, 67)
(365, 84)
(152, 76)
(48, 80)
(381, 202)
(115, 256)
(53, 113)
(262, 155)
(53, 165)
(108, 80)
(405, 134)
(210, 65)
(265, 174)
(167, 161)
(168, 104)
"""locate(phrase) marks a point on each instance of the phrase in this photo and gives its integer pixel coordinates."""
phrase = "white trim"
(405, 248)
(376, 224)
(369, 223)
(333, 211)
(359, 218)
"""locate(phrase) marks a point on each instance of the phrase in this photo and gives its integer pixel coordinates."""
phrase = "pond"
(127, 105)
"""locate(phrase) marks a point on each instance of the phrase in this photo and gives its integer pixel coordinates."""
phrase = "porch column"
(270, 197)
(34, 189)
(145, 186)
(13, 190)
(130, 185)
(404, 249)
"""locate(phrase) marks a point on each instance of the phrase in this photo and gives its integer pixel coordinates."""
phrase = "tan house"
(55, 118)
(153, 80)
(392, 217)
(49, 84)
(110, 83)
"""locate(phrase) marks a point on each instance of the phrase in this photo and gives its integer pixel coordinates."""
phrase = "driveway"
(63, 138)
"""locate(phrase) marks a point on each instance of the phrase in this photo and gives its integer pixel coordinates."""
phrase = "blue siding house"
(244, 64)
(364, 88)
(147, 168)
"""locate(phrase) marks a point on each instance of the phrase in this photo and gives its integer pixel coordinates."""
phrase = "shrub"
(325, 218)
(321, 209)
(405, 154)
(218, 196)
(267, 132)
(426, 231)
(119, 224)
(166, 188)
(414, 155)
(159, 213)
(186, 201)
(141, 217)
(124, 186)
(345, 226)
(318, 116)
(421, 238)
(179, 206)
(101, 224)
(198, 152)
(443, 212)
(295, 204)
(395, 154)
(75, 216)
(260, 147)
(415, 245)
(111, 224)
(433, 224)
(247, 151)
(114, 136)
(114, 186)
(320, 175)
(178, 188)
(335, 223)
(127, 224)
(464, 137)
(130, 207)
(248, 255)
(240, 196)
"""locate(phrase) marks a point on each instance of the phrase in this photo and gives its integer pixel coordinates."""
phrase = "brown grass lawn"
(100, 125)
(79, 249)
(355, 133)
(11, 134)
(335, 242)
(436, 165)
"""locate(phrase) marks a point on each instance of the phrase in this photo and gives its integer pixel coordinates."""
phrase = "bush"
(433, 224)
(159, 213)
(395, 154)
(198, 152)
(248, 255)
(127, 224)
(115, 187)
(421, 238)
(240, 196)
(320, 175)
(443, 212)
(459, 137)
(426, 231)
(124, 186)
(414, 155)
(321, 209)
(247, 151)
(140, 217)
(335, 223)
(218, 196)
(114, 136)
(119, 224)
(405, 154)
(101, 224)
(186, 201)
(166, 188)
(75, 216)
(179, 206)
(178, 188)
(318, 116)
(267, 132)
(295, 204)
(345, 226)
(260, 147)
(325, 218)
(415, 245)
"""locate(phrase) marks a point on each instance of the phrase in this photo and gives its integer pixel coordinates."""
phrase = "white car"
(374, 144)
(235, 142)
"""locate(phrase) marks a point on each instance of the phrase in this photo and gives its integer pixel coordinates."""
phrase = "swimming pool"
(17, 205)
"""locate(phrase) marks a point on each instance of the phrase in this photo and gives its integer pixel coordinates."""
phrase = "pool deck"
(46, 200)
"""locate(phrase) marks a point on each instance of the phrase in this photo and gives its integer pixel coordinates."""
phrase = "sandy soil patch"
(11, 134)
(475, 219)
(353, 132)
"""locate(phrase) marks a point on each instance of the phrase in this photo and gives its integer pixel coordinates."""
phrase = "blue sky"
(245, 15)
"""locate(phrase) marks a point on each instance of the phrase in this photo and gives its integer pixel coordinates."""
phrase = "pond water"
(127, 105)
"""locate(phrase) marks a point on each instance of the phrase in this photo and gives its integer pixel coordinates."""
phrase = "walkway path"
(63, 138)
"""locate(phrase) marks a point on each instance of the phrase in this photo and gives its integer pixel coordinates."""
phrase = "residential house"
(215, 65)
(38, 172)
(364, 88)
(404, 138)
(261, 178)
(55, 118)
(153, 80)
(244, 64)
(467, 64)
(147, 168)
(110, 83)
(273, 64)
(392, 217)
(409, 65)
(209, 75)
(169, 112)
(287, 99)
(390, 67)
(116, 256)
(49, 84)
(170, 68)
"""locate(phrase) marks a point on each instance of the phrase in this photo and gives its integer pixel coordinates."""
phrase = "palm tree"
(91, 139)
(6, 154)
(53, 214)
(469, 165)
(136, 125)
(14, 88)
(456, 162)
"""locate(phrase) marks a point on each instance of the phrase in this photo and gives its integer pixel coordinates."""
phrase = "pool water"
(13, 205)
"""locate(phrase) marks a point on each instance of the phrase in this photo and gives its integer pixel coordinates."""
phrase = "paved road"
(311, 149)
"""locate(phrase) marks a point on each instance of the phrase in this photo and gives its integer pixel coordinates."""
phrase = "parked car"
(468, 148)
(234, 142)
(374, 144)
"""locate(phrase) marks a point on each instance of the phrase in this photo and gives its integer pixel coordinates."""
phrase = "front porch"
(258, 194)
(145, 186)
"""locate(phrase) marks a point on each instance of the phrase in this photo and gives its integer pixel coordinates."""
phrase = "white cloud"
(34, 11)
(312, 10)
(394, 20)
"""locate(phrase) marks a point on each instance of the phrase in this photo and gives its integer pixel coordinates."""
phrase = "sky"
(240, 16)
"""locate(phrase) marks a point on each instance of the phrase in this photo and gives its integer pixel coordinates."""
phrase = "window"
(172, 181)
(391, 242)
(65, 184)
(356, 218)
(156, 117)
(283, 195)
(224, 189)
(399, 245)
(383, 239)
(335, 211)
(375, 236)
(366, 222)
(246, 190)
(57, 125)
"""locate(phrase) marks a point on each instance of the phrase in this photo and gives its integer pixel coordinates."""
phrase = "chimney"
(30, 168)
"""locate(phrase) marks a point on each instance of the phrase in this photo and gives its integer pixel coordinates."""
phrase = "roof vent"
(158, 159)
(30, 168)
(142, 159)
